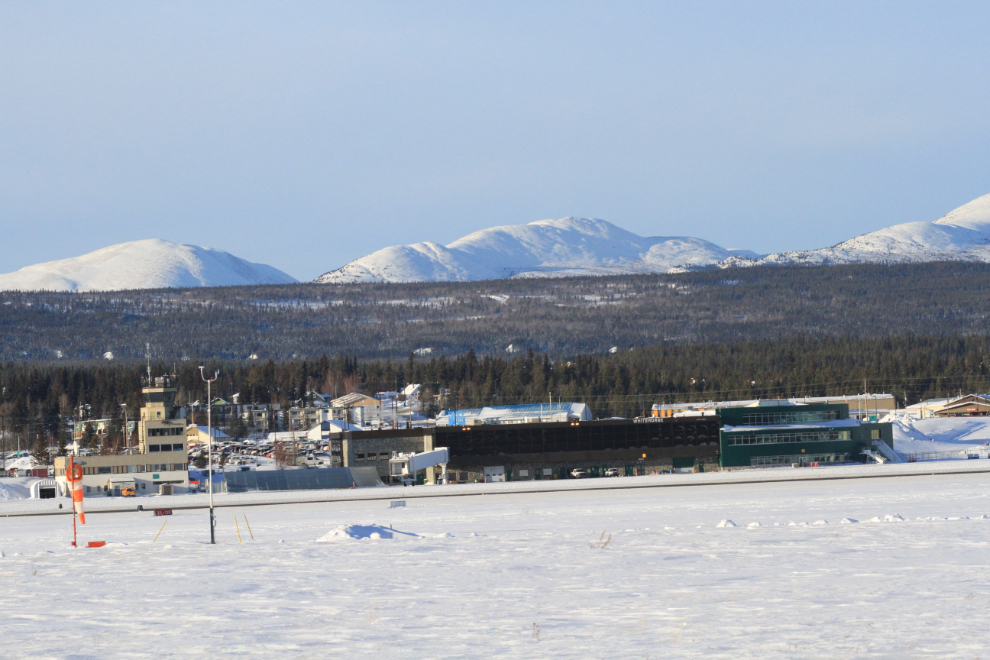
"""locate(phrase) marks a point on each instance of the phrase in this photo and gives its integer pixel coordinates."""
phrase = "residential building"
(971, 405)
(201, 434)
(359, 409)
(100, 427)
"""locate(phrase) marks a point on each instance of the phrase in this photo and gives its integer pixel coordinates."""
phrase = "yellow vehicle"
(127, 491)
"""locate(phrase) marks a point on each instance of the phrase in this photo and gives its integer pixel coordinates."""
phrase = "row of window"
(152, 433)
(799, 458)
(792, 417)
(383, 456)
(778, 438)
(128, 469)
(175, 447)
(107, 488)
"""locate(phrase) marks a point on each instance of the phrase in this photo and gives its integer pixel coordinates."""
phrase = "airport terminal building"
(785, 432)
(691, 436)
(549, 450)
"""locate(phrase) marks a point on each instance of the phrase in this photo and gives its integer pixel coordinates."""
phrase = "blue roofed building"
(527, 413)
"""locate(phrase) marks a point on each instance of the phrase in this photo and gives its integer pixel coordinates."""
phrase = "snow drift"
(546, 248)
(373, 532)
(147, 264)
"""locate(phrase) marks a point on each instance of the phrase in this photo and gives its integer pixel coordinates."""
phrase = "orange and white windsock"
(74, 476)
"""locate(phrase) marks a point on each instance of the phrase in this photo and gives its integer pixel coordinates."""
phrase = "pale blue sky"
(304, 135)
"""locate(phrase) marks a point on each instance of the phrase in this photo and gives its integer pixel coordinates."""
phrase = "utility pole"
(127, 439)
(209, 433)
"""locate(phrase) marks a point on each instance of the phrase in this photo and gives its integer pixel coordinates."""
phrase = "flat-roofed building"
(161, 458)
(549, 450)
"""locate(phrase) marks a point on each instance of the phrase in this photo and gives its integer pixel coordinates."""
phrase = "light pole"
(127, 443)
(209, 433)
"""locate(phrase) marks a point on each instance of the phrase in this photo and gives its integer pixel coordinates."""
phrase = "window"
(875, 434)
(87, 490)
(358, 457)
(523, 473)
(778, 438)
(154, 447)
(798, 458)
(178, 447)
(791, 417)
(104, 470)
(132, 468)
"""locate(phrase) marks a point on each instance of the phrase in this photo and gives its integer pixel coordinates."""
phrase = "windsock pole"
(74, 475)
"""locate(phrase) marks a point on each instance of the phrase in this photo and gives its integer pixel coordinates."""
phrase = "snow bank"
(940, 435)
(374, 532)
(16, 488)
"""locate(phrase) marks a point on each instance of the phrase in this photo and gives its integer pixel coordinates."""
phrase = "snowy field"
(644, 573)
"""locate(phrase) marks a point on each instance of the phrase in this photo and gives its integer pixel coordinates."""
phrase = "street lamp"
(209, 433)
(127, 444)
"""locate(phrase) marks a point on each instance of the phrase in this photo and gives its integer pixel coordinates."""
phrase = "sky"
(305, 135)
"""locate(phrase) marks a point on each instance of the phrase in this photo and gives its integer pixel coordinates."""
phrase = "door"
(494, 474)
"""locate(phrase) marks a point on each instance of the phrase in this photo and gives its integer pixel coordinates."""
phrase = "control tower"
(162, 427)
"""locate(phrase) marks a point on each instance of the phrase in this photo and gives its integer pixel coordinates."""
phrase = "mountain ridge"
(962, 234)
(145, 264)
(565, 246)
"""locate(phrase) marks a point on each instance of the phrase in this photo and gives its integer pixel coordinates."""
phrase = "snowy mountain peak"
(145, 264)
(545, 248)
(974, 215)
(960, 235)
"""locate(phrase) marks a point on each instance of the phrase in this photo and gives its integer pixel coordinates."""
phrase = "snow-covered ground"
(585, 574)
(941, 435)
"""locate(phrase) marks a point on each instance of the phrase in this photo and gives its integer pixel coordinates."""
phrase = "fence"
(943, 455)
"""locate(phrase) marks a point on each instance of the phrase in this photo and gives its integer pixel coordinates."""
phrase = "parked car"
(613, 472)
(579, 473)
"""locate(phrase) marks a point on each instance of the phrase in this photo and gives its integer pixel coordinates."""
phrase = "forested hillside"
(626, 383)
(562, 317)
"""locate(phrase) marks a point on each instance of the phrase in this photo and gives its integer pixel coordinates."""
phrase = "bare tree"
(282, 453)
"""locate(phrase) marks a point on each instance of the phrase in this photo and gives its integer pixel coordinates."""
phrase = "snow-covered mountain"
(148, 264)
(546, 248)
(961, 235)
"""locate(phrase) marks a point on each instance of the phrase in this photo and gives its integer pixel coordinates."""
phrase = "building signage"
(163, 512)
(648, 420)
